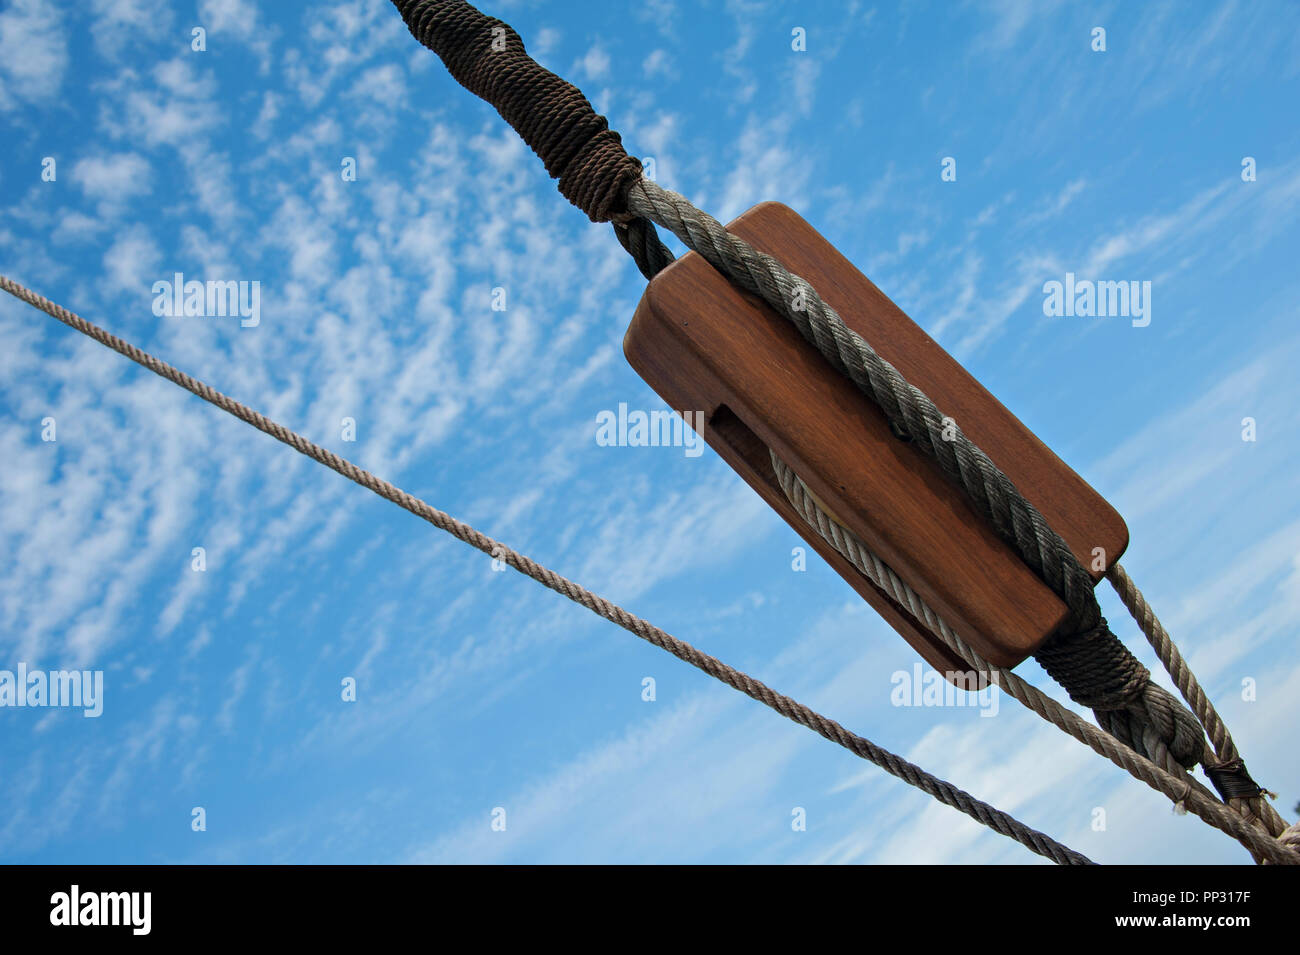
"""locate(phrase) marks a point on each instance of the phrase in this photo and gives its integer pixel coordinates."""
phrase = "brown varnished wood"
(703, 345)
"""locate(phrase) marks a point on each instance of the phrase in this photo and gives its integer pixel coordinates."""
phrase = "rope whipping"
(859, 746)
(487, 57)
(1185, 792)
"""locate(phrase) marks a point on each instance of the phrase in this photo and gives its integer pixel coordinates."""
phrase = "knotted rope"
(791, 709)
(1223, 764)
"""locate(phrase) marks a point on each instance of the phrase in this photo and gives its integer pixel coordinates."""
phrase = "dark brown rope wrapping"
(1099, 672)
(1232, 781)
(487, 57)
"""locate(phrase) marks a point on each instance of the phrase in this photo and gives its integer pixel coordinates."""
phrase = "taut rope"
(913, 775)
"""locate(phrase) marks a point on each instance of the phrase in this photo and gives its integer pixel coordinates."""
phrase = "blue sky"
(477, 689)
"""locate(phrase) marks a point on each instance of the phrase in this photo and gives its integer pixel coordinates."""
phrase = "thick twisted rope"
(1084, 657)
(1290, 836)
(639, 239)
(913, 775)
(1178, 787)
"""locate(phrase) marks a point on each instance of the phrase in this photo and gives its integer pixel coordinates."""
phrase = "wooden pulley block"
(705, 346)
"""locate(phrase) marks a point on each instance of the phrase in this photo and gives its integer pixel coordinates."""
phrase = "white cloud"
(114, 178)
(594, 64)
(179, 112)
(545, 41)
(1006, 20)
(121, 25)
(33, 52)
(663, 14)
(657, 63)
(132, 263)
(240, 19)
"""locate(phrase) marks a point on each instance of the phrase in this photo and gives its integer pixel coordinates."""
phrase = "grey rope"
(639, 239)
(1085, 657)
(1179, 787)
(941, 790)
(1223, 765)
(1290, 836)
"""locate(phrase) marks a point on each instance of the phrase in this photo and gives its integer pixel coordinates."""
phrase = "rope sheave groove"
(791, 709)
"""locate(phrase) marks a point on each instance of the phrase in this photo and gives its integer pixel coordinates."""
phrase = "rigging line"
(1180, 788)
(941, 790)
(1250, 801)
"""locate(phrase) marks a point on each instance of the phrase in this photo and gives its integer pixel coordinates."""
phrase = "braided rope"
(1087, 659)
(1178, 787)
(913, 775)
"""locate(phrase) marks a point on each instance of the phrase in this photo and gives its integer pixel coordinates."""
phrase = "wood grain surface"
(704, 346)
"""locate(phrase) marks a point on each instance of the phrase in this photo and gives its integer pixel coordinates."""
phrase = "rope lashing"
(1224, 765)
(487, 57)
(913, 775)
(1180, 788)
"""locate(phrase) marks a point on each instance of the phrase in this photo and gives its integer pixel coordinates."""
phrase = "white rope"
(910, 773)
